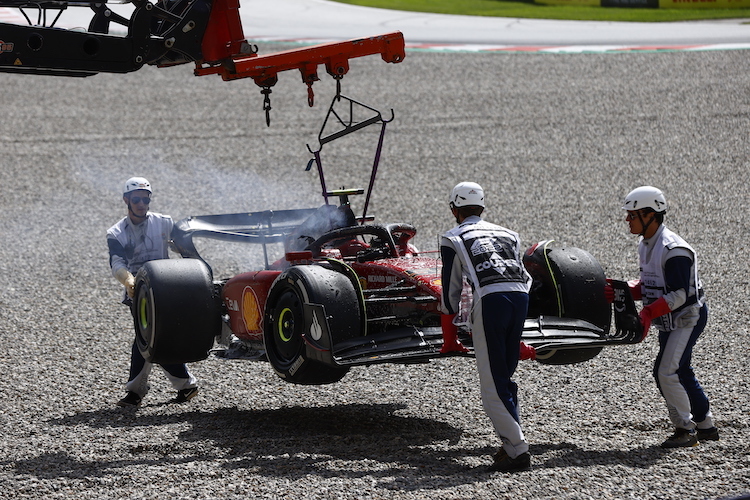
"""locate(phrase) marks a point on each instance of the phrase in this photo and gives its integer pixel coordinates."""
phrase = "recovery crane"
(207, 33)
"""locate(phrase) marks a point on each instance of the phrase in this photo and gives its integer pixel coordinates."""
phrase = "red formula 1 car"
(346, 291)
(350, 292)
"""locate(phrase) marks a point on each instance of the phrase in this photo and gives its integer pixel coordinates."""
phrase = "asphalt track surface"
(556, 139)
(322, 19)
(326, 20)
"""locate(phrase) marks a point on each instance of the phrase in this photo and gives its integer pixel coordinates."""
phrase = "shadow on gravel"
(570, 455)
(347, 441)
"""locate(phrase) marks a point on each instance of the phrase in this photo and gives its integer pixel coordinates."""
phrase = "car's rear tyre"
(309, 308)
(177, 312)
(569, 283)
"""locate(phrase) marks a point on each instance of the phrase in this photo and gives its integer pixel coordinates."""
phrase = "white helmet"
(467, 194)
(645, 197)
(136, 183)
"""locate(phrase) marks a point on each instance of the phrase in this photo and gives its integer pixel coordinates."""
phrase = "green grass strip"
(528, 9)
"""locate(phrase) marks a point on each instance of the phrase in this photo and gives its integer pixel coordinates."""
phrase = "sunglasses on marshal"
(137, 199)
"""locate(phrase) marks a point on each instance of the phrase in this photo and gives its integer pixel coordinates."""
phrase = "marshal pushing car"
(350, 292)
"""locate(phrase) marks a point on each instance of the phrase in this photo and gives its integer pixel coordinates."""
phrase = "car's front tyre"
(308, 309)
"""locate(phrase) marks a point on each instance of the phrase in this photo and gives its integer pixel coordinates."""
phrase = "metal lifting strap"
(348, 125)
(375, 164)
(319, 164)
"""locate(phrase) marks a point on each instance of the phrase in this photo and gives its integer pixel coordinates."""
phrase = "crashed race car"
(346, 291)
(350, 292)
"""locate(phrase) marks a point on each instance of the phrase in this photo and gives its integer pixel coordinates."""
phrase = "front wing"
(413, 344)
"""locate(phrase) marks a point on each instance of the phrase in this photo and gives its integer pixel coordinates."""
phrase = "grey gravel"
(556, 140)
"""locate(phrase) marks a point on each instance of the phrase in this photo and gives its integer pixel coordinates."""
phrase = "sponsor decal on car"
(619, 302)
(295, 366)
(376, 278)
(251, 313)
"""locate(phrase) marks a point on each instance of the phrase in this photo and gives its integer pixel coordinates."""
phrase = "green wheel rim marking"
(142, 313)
(280, 326)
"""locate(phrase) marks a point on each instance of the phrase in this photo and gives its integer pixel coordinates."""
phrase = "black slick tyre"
(569, 283)
(309, 307)
(176, 311)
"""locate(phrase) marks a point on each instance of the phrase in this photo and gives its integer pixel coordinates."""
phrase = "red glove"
(651, 311)
(450, 335)
(635, 289)
(609, 292)
(527, 352)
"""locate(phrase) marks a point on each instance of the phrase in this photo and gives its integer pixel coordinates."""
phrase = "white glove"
(127, 280)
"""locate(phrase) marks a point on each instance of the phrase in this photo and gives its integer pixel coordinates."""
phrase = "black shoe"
(503, 463)
(711, 434)
(185, 395)
(130, 399)
(682, 438)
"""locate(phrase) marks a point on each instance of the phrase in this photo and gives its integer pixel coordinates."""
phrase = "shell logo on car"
(251, 313)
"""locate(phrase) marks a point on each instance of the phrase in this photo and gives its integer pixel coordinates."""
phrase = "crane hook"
(266, 91)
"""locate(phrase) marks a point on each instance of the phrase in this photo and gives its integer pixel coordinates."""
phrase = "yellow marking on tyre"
(279, 326)
(142, 313)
